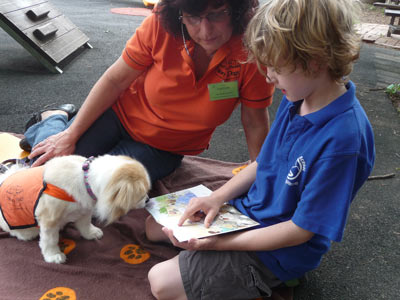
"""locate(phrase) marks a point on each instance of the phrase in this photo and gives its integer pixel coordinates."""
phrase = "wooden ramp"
(42, 30)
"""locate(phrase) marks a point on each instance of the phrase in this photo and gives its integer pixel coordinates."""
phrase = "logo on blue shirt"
(295, 171)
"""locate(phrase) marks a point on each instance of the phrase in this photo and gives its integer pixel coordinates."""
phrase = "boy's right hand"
(207, 206)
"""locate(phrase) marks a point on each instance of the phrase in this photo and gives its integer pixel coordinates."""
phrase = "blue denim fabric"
(42, 130)
(107, 135)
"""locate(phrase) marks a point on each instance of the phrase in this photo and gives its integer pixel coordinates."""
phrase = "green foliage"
(371, 7)
(393, 89)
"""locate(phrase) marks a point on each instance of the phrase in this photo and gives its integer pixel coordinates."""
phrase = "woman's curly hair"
(169, 12)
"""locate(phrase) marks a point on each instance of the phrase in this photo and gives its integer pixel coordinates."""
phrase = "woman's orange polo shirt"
(166, 107)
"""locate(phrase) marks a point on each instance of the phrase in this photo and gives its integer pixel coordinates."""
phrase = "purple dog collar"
(85, 168)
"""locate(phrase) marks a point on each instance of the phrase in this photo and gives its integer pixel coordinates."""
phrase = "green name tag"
(223, 90)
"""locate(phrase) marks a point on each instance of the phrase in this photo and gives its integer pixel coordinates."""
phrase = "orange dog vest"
(19, 196)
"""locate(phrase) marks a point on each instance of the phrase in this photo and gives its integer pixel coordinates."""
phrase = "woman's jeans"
(107, 135)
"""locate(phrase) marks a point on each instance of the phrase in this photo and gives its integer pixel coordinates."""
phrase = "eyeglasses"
(213, 17)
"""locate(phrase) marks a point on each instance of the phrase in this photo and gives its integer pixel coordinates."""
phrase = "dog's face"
(126, 189)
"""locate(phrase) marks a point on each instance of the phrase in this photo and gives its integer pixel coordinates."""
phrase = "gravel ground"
(374, 15)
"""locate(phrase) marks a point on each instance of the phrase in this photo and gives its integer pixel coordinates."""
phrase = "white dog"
(70, 189)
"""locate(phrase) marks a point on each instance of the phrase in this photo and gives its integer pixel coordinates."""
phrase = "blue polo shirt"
(309, 170)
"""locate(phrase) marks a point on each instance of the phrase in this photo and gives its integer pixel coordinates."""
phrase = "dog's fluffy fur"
(120, 184)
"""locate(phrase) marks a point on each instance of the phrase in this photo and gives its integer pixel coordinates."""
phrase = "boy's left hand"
(192, 244)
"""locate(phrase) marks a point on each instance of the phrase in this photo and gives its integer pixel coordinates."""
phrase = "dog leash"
(5, 165)
(85, 168)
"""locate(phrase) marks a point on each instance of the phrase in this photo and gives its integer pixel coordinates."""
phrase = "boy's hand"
(198, 207)
(193, 244)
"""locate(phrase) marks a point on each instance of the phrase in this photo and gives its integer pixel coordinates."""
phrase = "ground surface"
(364, 266)
(375, 15)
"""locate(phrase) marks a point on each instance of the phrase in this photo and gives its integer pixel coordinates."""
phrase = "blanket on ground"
(114, 267)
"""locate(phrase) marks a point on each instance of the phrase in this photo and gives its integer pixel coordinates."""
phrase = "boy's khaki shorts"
(211, 275)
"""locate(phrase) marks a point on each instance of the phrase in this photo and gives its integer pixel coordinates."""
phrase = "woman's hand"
(192, 244)
(55, 145)
(198, 207)
(103, 95)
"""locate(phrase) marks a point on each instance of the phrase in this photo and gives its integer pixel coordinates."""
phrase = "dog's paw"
(94, 233)
(58, 258)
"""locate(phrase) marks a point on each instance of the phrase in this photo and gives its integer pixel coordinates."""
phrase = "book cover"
(167, 210)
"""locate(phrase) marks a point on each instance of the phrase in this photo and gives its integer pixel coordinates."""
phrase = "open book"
(167, 210)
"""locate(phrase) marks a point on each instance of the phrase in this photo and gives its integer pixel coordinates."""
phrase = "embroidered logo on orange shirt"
(229, 70)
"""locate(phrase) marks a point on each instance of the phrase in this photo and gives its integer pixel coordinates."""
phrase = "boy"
(319, 152)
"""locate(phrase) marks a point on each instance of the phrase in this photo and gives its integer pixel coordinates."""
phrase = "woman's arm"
(103, 95)
(256, 127)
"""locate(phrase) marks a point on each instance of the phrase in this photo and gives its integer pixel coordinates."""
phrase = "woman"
(178, 78)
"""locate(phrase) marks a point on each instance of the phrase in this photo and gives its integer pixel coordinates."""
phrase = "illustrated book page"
(167, 210)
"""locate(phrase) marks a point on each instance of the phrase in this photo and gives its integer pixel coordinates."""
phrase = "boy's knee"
(156, 281)
(166, 281)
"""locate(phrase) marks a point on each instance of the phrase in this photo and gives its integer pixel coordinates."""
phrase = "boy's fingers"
(169, 233)
(209, 219)
(173, 239)
(182, 219)
(189, 212)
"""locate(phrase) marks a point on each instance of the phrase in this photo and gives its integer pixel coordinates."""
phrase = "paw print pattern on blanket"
(59, 293)
(134, 254)
(66, 245)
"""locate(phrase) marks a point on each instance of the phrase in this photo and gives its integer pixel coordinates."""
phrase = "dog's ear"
(128, 186)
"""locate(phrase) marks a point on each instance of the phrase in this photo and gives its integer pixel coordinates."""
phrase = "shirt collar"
(336, 107)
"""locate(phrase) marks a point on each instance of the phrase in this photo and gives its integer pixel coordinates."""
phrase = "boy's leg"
(206, 275)
(154, 231)
(166, 281)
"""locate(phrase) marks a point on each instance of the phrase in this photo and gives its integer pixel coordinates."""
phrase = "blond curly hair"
(295, 32)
